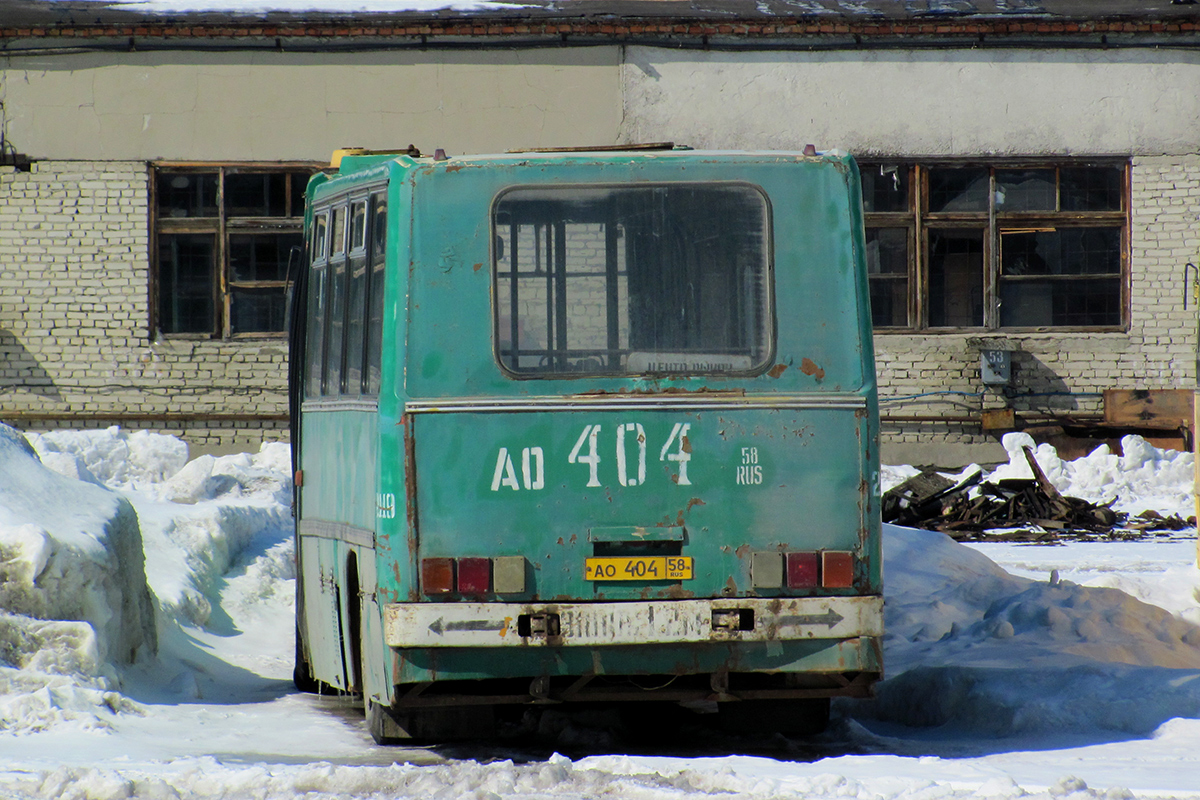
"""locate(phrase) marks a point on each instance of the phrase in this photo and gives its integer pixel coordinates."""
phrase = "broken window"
(225, 237)
(1000, 246)
(633, 280)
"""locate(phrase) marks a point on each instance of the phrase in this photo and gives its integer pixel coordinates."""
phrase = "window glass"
(1063, 251)
(1092, 188)
(186, 194)
(256, 194)
(358, 225)
(617, 280)
(1065, 276)
(226, 237)
(185, 283)
(337, 236)
(261, 256)
(318, 307)
(956, 278)
(1065, 303)
(958, 189)
(885, 187)
(320, 236)
(255, 309)
(375, 293)
(887, 269)
(335, 327)
(1046, 248)
(299, 183)
(1026, 190)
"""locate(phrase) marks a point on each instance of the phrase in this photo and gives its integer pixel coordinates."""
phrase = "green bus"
(586, 426)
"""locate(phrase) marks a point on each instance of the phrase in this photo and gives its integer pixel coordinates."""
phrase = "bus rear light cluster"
(473, 576)
(827, 569)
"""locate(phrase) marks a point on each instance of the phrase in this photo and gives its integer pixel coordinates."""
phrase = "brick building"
(1031, 175)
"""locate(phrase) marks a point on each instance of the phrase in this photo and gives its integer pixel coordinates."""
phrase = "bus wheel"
(302, 671)
(789, 717)
(383, 727)
(430, 725)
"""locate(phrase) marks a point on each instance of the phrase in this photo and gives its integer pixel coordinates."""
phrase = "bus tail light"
(474, 575)
(802, 570)
(437, 575)
(837, 569)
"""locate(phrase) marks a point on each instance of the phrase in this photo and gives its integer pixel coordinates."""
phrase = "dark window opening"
(250, 220)
(633, 280)
(1002, 246)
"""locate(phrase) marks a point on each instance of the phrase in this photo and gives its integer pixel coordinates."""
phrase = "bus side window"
(352, 371)
(336, 318)
(317, 306)
(378, 250)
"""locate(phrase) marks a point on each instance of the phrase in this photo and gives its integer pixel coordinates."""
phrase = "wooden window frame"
(919, 220)
(221, 227)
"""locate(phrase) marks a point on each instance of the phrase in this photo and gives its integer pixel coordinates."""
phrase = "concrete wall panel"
(927, 102)
(284, 106)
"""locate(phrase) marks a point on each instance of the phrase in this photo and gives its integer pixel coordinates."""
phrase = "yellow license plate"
(648, 568)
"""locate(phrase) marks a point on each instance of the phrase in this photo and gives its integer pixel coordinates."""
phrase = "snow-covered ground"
(1014, 670)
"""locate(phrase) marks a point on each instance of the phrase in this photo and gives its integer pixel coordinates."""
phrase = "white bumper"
(418, 625)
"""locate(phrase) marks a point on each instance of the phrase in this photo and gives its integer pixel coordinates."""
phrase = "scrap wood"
(1026, 509)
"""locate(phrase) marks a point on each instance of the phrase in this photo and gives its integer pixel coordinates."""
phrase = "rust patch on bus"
(410, 504)
(695, 501)
(777, 370)
(809, 367)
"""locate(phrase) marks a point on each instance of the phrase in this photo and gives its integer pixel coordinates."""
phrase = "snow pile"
(1020, 674)
(1145, 477)
(616, 777)
(198, 517)
(73, 594)
(111, 456)
(969, 645)
(74, 603)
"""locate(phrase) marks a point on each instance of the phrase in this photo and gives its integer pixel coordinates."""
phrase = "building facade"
(1031, 184)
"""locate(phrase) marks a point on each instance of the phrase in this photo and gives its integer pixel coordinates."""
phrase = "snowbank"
(111, 456)
(970, 646)
(1144, 477)
(77, 569)
(974, 655)
(73, 593)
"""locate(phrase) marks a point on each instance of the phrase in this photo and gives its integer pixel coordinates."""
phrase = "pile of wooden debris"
(1016, 509)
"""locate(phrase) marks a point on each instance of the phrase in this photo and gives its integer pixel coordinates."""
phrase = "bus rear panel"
(587, 427)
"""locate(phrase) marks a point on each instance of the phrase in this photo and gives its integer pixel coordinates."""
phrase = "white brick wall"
(74, 278)
(1066, 372)
(74, 316)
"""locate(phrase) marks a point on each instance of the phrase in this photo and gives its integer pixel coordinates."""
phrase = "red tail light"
(474, 575)
(802, 570)
(437, 575)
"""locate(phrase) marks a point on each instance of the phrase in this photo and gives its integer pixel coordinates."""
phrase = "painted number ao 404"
(526, 469)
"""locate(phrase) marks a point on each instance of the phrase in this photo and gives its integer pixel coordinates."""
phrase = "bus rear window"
(617, 280)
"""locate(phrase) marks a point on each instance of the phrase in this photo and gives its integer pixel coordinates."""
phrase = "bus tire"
(790, 717)
(383, 727)
(430, 725)
(302, 676)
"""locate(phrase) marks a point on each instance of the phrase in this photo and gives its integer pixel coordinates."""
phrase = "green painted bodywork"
(437, 482)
